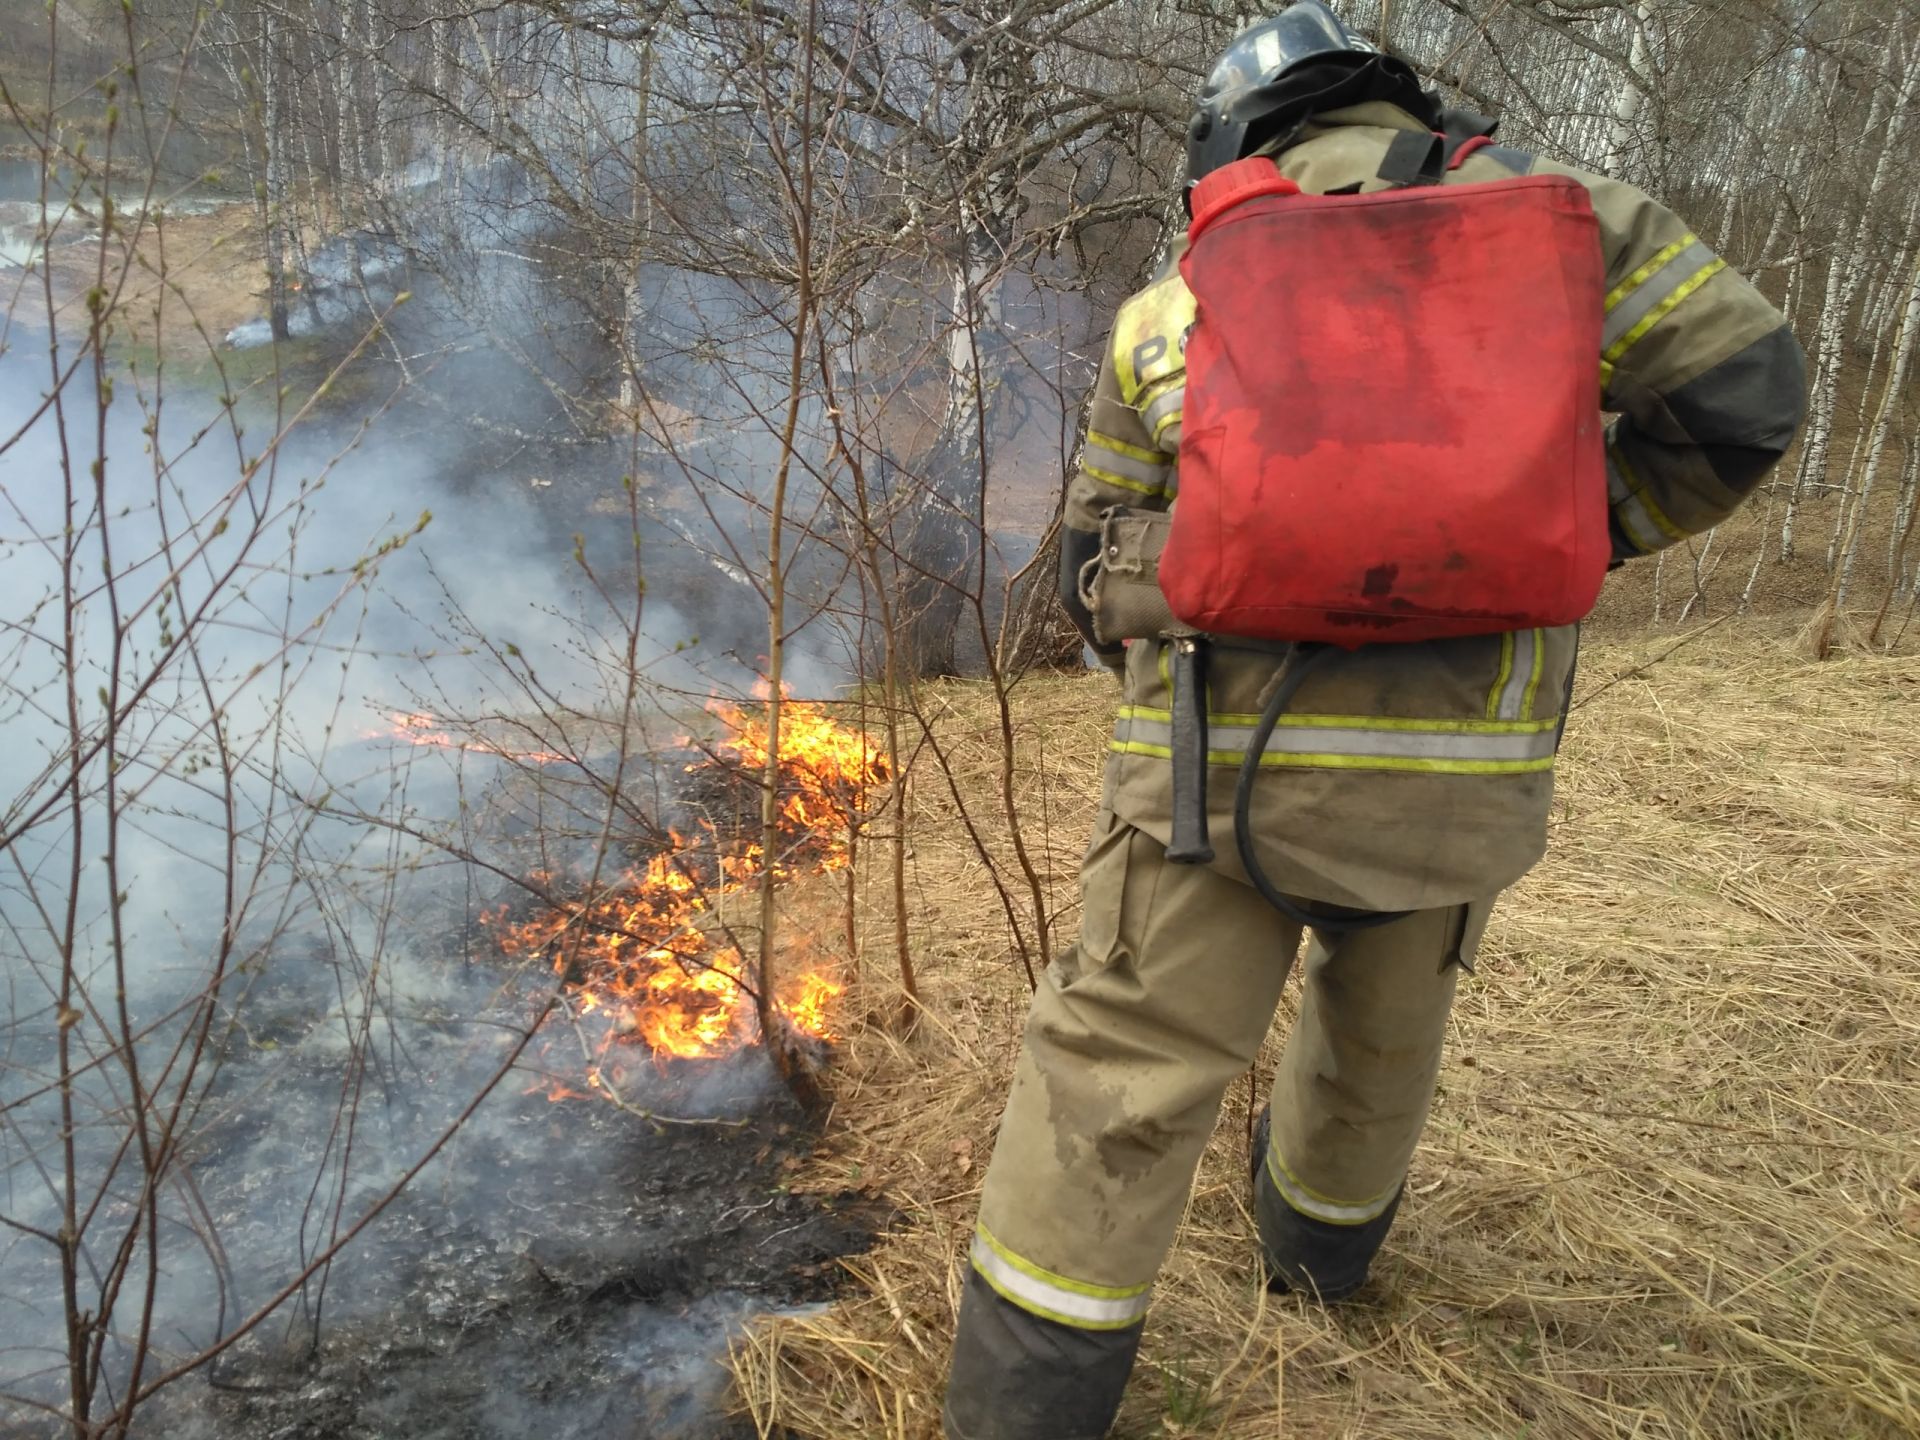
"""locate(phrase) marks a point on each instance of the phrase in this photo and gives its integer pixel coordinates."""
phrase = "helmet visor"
(1268, 49)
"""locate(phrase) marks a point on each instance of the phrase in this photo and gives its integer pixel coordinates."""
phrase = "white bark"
(273, 143)
(633, 308)
(1903, 517)
(1819, 412)
(375, 123)
(1882, 426)
(440, 38)
(1849, 265)
(1861, 433)
(1629, 102)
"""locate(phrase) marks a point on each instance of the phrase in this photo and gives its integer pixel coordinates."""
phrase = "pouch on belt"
(1121, 589)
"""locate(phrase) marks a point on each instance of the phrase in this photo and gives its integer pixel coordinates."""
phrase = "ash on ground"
(561, 1269)
(591, 1295)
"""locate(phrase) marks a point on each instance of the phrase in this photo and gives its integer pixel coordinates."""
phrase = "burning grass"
(648, 957)
(653, 962)
(1672, 1183)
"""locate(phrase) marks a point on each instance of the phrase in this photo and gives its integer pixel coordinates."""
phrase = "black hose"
(1296, 669)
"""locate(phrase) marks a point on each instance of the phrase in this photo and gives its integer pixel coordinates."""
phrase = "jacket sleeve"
(1706, 377)
(1119, 465)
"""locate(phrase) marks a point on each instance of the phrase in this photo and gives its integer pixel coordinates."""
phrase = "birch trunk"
(940, 543)
(1629, 102)
(440, 37)
(353, 167)
(1862, 434)
(1903, 516)
(297, 124)
(375, 121)
(633, 301)
(1890, 295)
(1882, 427)
(1819, 414)
(1848, 266)
(275, 196)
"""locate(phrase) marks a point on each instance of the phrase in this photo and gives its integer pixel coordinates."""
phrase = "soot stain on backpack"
(1379, 580)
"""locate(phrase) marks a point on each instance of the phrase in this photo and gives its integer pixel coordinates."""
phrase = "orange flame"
(420, 729)
(647, 956)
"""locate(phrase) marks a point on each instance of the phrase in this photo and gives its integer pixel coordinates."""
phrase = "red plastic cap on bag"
(1467, 147)
(1232, 185)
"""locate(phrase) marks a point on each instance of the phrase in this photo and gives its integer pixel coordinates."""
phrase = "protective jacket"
(1417, 776)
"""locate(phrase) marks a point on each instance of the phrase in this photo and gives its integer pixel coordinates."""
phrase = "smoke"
(362, 1008)
(474, 554)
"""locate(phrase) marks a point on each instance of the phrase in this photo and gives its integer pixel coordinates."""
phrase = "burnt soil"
(563, 1270)
(599, 1311)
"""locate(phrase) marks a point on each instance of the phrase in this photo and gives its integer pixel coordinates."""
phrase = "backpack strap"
(1416, 157)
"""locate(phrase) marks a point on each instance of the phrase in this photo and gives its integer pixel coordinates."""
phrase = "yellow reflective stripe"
(1356, 722)
(1438, 747)
(1055, 1297)
(1108, 477)
(1111, 462)
(1120, 447)
(1408, 764)
(1061, 1282)
(1539, 667)
(1165, 408)
(1634, 522)
(1632, 503)
(1013, 1297)
(1500, 680)
(1310, 1202)
(1623, 316)
(1660, 312)
(1512, 697)
(1640, 277)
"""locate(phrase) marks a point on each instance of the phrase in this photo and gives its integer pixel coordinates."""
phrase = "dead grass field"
(175, 286)
(1672, 1183)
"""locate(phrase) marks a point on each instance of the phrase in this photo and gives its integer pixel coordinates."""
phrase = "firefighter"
(1409, 778)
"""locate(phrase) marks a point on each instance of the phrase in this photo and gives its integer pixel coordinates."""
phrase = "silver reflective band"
(1317, 1206)
(1167, 407)
(1148, 732)
(1640, 302)
(1102, 462)
(1512, 704)
(1642, 526)
(1090, 1307)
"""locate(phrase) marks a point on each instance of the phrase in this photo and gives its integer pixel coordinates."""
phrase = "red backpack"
(1391, 429)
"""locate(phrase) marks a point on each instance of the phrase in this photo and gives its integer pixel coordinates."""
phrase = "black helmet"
(1278, 73)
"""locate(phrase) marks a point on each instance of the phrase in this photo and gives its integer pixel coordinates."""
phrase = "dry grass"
(1672, 1183)
(205, 268)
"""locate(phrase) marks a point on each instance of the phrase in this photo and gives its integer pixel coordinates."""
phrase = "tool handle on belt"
(1189, 670)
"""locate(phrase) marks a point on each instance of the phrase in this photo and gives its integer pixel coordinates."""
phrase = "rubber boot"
(1304, 1254)
(1014, 1376)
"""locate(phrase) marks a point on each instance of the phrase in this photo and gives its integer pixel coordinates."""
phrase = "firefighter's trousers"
(1133, 1038)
